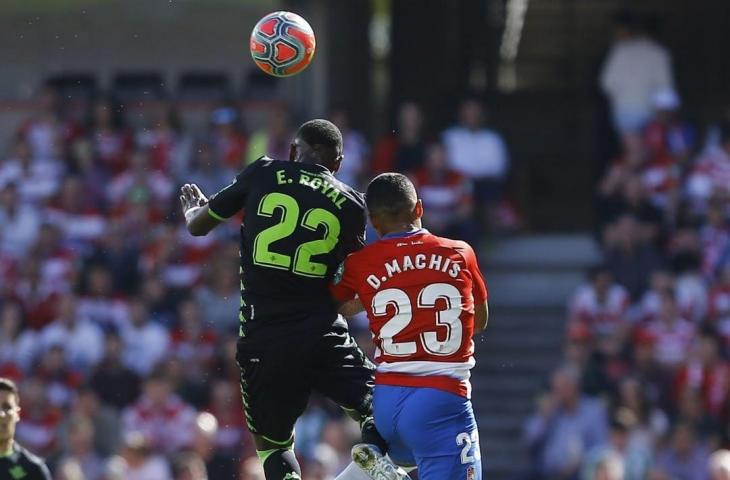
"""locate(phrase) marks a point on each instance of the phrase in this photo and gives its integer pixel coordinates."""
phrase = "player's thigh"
(274, 393)
(342, 372)
(449, 467)
(387, 404)
(441, 431)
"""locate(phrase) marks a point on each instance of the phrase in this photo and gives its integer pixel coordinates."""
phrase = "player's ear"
(336, 164)
(418, 209)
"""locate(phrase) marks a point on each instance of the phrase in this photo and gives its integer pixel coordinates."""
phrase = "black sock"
(370, 435)
(280, 463)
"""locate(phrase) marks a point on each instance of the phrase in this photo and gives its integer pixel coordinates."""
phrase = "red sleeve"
(343, 284)
(479, 287)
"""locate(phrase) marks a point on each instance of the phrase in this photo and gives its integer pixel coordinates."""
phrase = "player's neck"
(399, 228)
(6, 447)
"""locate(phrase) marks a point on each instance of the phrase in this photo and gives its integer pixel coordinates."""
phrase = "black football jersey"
(20, 464)
(299, 224)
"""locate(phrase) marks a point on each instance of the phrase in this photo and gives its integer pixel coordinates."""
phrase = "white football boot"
(370, 459)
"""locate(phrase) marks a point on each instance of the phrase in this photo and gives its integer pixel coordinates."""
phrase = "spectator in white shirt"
(83, 341)
(145, 343)
(635, 68)
(19, 223)
(477, 153)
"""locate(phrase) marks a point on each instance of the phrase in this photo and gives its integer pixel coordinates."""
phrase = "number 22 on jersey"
(288, 223)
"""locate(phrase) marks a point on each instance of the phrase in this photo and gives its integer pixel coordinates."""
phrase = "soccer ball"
(282, 44)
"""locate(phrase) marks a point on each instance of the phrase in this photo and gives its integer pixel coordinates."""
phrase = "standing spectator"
(478, 154)
(565, 427)
(404, 149)
(447, 197)
(684, 458)
(166, 422)
(635, 68)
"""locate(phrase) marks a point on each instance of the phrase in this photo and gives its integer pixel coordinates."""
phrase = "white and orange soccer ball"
(282, 44)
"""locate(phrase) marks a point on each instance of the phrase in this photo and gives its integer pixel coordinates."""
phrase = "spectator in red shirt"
(446, 195)
(706, 373)
(228, 137)
(110, 141)
(673, 335)
(38, 429)
(601, 304)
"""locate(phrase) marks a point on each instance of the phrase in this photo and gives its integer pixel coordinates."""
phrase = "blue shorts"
(432, 429)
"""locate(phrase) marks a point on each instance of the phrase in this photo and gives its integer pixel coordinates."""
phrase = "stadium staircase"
(529, 281)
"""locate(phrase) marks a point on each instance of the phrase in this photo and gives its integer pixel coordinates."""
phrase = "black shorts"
(281, 366)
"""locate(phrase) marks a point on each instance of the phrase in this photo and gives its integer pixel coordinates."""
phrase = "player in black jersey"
(300, 223)
(16, 463)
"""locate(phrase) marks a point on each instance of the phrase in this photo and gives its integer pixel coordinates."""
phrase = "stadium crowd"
(120, 327)
(644, 391)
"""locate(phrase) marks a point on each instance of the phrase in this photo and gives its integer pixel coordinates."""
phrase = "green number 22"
(312, 219)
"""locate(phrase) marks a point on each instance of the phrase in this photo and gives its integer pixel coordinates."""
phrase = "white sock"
(353, 472)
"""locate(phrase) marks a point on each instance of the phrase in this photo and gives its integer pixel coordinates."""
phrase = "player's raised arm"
(195, 208)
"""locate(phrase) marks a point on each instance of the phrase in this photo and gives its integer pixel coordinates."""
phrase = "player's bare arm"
(194, 203)
(351, 308)
(481, 317)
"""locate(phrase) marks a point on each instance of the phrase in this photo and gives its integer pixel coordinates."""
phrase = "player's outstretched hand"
(191, 197)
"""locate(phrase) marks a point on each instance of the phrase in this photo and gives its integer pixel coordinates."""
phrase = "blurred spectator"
(139, 461)
(636, 460)
(145, 343)
(228, 138)
(187, 466)
(477, 153)
(98, 302)
(19, 222)
(17, 346)
(115, 384)
(82, 340)
(446, 195)
(706, 373)
(207, 170)
(86, 405)
(69, 469)
(666, 135)
(37, 182)
(110, 141)
(80, 221)
(272, 141)
(219, 297)
(710, 175)
(672, 334)
(650, 422)
(140, 185)
(719, 306)
(219, 464)
(355, 149)
(404, 149)
(38, 428)
(684, 457)
(630, 258)
(565, 426)
(714, 238)
(80, 446)
(168, 144)
(635, 68)
(119, 252)
(46, 132)
(166, 423)
(601, 304)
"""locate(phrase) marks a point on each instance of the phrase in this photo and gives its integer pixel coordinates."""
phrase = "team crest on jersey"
(471, 473)
(339, 273)
(17, 472)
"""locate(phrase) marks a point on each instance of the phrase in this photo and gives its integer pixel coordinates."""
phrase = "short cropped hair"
(391, 194)
(7, 385)
(321, 132)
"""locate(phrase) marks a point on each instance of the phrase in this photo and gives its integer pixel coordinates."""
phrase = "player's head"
(393, 204)
(318, 141)
(9, 409)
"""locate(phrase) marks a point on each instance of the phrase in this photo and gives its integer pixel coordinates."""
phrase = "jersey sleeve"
(343, 286)
(356, 241)
(232, 198)
(479, 287)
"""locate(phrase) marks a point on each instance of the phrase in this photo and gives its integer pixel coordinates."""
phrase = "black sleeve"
(356, 240)
(231, 199)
